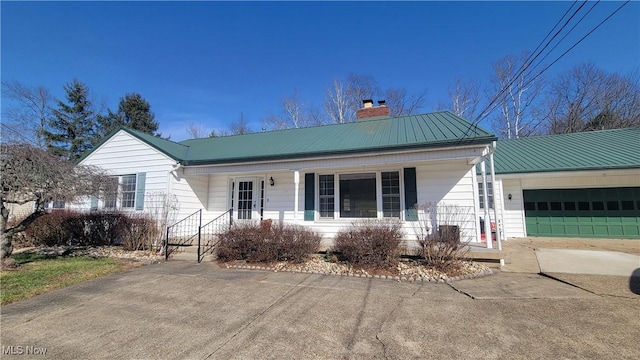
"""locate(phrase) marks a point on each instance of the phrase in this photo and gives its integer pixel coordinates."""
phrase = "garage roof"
(594, 150)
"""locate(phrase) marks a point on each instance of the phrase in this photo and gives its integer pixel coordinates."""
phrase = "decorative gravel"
(409, 271)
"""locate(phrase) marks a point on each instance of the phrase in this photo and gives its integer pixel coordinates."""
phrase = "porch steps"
(189, 253)
(489, 257)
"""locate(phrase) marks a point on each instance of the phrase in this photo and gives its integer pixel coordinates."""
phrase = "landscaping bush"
(370, 243)
(294, 243)
(139, 232)
(49, 230)
(262, 242)
(441, 242)
(133, 231)
(102, 228)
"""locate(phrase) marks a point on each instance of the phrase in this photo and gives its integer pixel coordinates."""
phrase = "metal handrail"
(182, 239)
(208, 246)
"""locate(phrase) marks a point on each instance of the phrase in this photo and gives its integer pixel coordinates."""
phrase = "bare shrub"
(370, 243)
(139, 232)
(49, 230)
(255, 242)
(441, 234)
(101, 228)
(294, 243)
(163, 208)
(241, 242)
(133, 231)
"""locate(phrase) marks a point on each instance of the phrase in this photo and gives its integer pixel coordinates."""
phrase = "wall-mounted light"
(271, 182)
(509, 197)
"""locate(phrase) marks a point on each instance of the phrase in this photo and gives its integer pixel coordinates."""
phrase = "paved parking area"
(181, 310)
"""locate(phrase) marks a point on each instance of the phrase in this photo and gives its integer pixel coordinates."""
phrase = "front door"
(246, 199)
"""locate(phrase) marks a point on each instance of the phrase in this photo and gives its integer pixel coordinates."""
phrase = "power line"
(564, 37)
(526, 64)
(578, 42)
(492, 105)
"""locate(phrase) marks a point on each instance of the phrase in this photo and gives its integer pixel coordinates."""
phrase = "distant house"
(321, 177)
(379, 167)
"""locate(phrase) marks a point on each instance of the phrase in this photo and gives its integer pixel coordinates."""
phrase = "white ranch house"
(383, 167)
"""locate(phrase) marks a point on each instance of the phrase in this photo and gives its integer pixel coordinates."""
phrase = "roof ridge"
(579, 133)
(372, 119)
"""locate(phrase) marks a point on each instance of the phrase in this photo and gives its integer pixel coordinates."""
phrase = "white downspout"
(296, 185)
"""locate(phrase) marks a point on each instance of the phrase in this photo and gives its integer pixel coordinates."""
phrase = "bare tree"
(337, 104)
(240, 127)
(31, 174)
(587, 98)
(198, 131)
(29, 109)
(464, 99)
(295, 113)
(343, 99)
(519, 96)
(401, 104)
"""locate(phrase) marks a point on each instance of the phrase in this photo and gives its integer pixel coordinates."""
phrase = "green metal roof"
(607, 149)
(172, 149)
(440, 129)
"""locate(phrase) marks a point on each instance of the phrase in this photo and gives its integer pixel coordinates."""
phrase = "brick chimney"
(369, 111)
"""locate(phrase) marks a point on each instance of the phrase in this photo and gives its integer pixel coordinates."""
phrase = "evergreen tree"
(72, 124)
(133, 112)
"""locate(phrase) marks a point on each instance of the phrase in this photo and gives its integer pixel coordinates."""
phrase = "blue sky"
(206, 62)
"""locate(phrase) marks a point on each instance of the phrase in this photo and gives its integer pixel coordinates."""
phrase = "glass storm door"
(246, 199)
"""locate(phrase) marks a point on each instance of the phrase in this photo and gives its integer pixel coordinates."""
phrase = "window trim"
(490, 195)
(379, 196)
(322, 197)
(118, 201)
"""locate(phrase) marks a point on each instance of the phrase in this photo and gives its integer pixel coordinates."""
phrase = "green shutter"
(142, 179)
(309, 196)
(94, 203)
(410, 195)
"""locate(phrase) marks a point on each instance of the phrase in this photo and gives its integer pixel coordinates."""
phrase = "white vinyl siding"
(124, 154)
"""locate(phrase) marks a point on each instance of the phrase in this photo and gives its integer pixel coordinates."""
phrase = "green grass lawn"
(38, 274)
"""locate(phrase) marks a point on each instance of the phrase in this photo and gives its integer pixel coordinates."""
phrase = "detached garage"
(571, 185)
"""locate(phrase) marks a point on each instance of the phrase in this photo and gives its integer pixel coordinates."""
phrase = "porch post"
(485, 197)
(296, 186)
(495, 207)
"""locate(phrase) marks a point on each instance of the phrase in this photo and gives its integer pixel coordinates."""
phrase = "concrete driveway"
(601, 266)
(181, 310)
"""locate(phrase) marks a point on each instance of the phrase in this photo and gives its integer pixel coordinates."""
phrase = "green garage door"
(596, 213)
